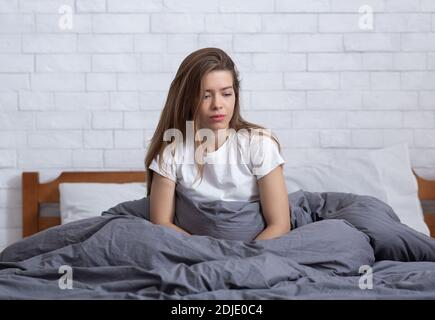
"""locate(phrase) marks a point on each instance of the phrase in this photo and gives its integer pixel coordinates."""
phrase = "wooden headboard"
(426, 194)
(35, 194)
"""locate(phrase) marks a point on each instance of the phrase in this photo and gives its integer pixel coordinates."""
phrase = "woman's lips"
(217, 118)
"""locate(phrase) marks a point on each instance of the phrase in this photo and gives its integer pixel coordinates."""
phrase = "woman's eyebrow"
(221, 89)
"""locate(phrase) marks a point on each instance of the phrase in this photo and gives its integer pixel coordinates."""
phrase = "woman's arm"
(274, 204)
(162, 202)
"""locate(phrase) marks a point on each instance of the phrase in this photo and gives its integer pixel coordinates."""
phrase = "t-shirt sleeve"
(168, 168)
(265, 155)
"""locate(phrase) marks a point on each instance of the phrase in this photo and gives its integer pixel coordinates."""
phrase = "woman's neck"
(220, 137)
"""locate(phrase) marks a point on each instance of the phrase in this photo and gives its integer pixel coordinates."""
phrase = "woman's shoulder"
(172, 153)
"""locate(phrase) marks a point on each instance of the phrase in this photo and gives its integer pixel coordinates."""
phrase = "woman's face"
(218, 98)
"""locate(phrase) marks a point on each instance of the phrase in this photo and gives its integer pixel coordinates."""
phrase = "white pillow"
(86, 200)
(395, 171)
(384, 173)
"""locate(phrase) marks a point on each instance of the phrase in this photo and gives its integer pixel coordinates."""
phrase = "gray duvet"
(342, 246)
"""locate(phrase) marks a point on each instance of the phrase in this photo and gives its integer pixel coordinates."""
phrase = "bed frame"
(35, 194)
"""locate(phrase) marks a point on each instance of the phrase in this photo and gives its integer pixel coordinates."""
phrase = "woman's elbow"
(286, 228)
(281, 228)
(286, 224)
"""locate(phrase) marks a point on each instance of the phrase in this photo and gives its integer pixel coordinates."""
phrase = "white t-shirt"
(230, 172)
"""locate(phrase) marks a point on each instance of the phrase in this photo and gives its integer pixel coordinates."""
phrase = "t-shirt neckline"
(217, 151)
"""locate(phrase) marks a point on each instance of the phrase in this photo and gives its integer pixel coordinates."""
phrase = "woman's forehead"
(218, 80)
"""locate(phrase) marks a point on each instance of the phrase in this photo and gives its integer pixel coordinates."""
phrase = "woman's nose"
(217, 103)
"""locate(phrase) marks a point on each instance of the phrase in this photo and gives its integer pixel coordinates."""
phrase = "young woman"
(239, 161)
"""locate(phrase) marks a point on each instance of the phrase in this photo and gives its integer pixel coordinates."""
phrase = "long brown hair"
(184, 98)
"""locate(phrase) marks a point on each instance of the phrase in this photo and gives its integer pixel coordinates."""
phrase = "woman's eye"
(227, 94)
(205, 97)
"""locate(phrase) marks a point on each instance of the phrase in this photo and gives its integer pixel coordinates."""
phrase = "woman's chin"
(216, 126)
(220, 125)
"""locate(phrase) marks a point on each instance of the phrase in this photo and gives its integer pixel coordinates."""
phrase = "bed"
(379, 259)
(37, 196)
(41, 200)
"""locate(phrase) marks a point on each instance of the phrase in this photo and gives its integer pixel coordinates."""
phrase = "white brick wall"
(89, 97)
